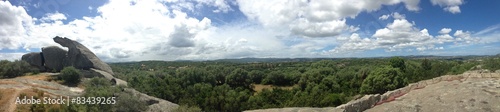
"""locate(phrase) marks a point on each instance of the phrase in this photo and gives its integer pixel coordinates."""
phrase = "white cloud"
(445, 31)
(148, 24)
(222, 5)
(384, 17)
(466, 37)
(299, 16)
(401, 34)
(192, 5)
(53, 17)
(12, 25)
(451, 6)
(396, 15)
(11, 56)
(153, 31)
(323, 29)
(90, 8)
(453, 9)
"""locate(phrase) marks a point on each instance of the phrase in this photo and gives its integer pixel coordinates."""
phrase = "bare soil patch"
(259, 87)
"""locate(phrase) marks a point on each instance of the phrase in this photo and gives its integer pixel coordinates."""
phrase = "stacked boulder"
(53, 58)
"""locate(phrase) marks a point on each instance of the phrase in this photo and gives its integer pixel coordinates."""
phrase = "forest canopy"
(235, 86)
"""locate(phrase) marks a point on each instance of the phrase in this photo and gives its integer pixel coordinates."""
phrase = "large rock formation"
(54, 57)
(34, 59)
(80, 56)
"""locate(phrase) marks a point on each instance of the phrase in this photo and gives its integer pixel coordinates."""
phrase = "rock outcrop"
(80, 56)
(34, 59)
(54, 57)
(154, 104)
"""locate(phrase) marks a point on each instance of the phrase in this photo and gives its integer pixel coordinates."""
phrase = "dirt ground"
(29, 85)
(260, 87)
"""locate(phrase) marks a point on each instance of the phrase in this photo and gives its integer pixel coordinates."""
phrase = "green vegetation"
(228, 86)
(492, 64)
(14, 69)
(70, 75)
(383, 79)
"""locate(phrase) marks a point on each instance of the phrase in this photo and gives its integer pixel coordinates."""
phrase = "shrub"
(99, 87)
(126, 102)
(14, 69)
(71, 75)
(492, 64)
(382, 80)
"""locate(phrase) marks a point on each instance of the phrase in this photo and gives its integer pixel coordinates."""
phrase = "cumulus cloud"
(384, 17)
(221, 6)
(12, 25)
(445, 31)
(53, 17)
(326, 17)
(451, 6)
(396, 15)
(465, 36)
(154, 31)
(109, 35)
(401, 34)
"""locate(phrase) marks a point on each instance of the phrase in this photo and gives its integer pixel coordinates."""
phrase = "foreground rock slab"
(471, 95)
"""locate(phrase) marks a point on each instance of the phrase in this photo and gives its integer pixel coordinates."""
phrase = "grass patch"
(259, 87)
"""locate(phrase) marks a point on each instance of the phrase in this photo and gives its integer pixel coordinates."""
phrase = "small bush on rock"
(71, 75)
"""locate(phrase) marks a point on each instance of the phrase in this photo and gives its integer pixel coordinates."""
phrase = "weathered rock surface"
(155, 104)
(80, 56)
(54, 57)
(471, 95)
(34, 59)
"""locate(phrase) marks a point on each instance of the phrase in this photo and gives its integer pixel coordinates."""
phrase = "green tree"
(14, 69)
(99, 87)
(71, 75)
(256, 76)
(426, 64)
(126, 102)
(383, 79)
(239, 78)
(398, 62)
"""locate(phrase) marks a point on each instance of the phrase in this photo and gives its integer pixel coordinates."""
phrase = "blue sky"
(129, 30)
